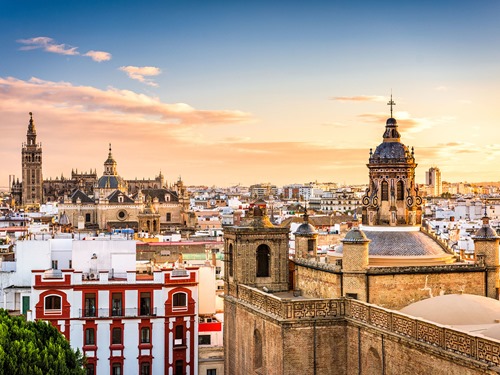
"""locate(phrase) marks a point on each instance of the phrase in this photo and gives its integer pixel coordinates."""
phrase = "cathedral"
(355, 313)
(90, 202)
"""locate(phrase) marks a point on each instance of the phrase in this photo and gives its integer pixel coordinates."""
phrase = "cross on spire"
(391, 103)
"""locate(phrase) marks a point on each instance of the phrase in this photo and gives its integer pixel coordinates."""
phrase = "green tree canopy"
(35, 348)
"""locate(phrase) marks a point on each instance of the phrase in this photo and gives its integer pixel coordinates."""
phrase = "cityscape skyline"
(223, 93)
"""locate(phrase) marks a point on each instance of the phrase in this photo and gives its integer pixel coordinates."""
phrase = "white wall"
(118, 255)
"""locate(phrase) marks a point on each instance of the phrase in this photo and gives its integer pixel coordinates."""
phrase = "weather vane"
(391, 103)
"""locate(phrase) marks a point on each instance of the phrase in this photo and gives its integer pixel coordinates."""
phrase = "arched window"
(263, 255)
(53, 304)
(179, 301)
(230, 260)
(401, 191)
(257, 348)
(385, 191)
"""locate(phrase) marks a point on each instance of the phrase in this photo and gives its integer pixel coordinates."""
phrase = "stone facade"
(280, 336)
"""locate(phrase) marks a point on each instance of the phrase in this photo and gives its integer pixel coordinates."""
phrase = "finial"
(485, 213)
(371, 152)
(110, 148)
(412, 151)
(31, 115)
(391, 103)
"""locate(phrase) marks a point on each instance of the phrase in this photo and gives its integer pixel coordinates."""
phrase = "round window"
(122, 215)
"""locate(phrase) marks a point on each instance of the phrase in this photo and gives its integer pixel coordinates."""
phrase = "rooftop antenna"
(391, 103)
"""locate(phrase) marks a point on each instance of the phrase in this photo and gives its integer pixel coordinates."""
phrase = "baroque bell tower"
(32, 179)
(392, 197)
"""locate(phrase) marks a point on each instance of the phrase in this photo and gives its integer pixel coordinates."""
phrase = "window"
(87, 218)
(401, 191)
(145, 368)
(204, 340)
(169, 216)
(385, 191)
(179, 300)
(179, 335)
(70, 264)
(90, 368)
(145, 303)
(352, 295)
(211, 371)
(263, 261)
(90, 305)
(310, 246)
(116, 335)
(54, 264)
(179, 367)
(257, 347)
(116, 369)
(53, 303)
(230, 260)
(90, 336)
(116, 304)
(145, 335)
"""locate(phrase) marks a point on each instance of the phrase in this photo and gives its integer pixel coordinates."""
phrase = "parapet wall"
(366, 336)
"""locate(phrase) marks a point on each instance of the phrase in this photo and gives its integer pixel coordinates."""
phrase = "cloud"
(408, 123)
(98, 55)
(111, 102)
(140, 73)
(49, 45)
(441, 88)
(360, 98)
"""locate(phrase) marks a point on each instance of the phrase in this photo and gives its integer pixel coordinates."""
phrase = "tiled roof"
(398, 243)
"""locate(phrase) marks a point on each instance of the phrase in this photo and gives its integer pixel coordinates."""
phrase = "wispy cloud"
(49, 45)
(140, 73)
(359, 98)
(111, 102)
(407, 122)
(98, 55)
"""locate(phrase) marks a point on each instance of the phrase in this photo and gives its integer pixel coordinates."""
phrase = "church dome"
(355, 235)
(486, 232)
(390, 150)
(456, 309)
(110, 182)
(305, 229)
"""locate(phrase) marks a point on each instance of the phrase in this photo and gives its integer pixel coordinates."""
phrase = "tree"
(36, 348)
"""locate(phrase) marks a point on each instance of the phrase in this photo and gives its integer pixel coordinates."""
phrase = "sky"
(243, 92)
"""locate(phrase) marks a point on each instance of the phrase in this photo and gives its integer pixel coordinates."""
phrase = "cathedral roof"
(161, 194)
(80, 195)
(113, 197)
(386, 242)
(391, 149)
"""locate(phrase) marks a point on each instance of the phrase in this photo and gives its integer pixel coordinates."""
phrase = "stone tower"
(32, 180)
(392, 197)
(355, 263)
(306, 239)
(256, 255)
(486, 244)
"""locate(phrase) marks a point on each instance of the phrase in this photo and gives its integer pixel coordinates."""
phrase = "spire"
(31, 134)
(391, 103)
(31, 126)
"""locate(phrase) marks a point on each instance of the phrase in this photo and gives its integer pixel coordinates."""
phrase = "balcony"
(108, 313)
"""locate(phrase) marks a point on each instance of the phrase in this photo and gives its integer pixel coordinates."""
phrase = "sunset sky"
(228, 92)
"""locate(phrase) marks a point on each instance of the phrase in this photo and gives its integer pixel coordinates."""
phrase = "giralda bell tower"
(32, 167)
